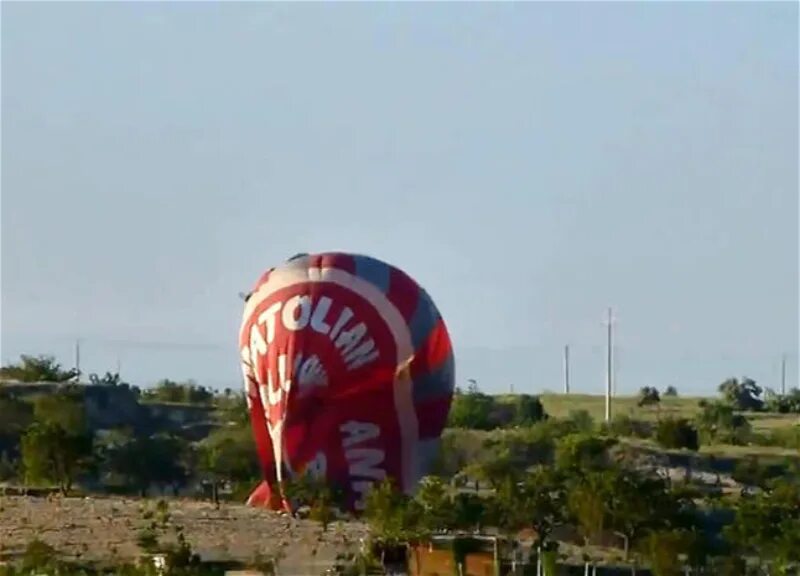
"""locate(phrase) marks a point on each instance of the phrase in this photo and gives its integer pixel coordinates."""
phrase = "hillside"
(677, 471)
(562, 405)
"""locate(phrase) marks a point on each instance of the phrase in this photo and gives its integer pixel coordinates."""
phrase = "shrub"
(718, 423)
(627, 427)
(583, 451)
(786, 404)
(528, 410)
(676, 433)
(751, 471)
(648, 396)
(788, 438)
(580, 421)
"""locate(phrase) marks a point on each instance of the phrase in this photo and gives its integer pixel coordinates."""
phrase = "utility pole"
(566, 369)
(78, 357)
(783, 375)
(609, 365)
(614, 378)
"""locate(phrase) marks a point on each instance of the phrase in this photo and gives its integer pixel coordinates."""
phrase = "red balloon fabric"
(349, 374)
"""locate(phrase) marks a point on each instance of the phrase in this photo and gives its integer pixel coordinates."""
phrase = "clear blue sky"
(530, 164)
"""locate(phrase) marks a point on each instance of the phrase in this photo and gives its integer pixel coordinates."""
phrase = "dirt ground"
(107, 530)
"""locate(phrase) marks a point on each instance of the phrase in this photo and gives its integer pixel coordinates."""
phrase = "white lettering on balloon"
(364, 464)
(298, 313)
(305, 372)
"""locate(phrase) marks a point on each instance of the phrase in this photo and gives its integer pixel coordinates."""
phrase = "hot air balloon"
(349, 375)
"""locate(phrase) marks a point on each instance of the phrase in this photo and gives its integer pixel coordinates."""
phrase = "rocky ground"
(109, 530)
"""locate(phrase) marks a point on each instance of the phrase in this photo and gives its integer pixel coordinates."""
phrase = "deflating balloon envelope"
(349, 374)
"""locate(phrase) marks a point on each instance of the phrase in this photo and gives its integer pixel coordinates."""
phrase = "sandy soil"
(106, 529)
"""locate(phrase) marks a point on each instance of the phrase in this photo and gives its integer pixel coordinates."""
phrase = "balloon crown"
(298, 255)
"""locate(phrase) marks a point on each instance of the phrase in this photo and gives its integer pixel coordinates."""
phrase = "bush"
(788, 438)
(583, 451)
(580, 421)
(786, 404)
(471, 409)
(718, 423)
(39, 556)
(627, 427)
(184, 392)
(744, 395)
(528, 410)
(752, 472)
(676, 433)
(478, 411)
(648, 396)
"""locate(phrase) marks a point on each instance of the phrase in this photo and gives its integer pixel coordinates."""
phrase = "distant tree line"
(478, 411)
(47, 442)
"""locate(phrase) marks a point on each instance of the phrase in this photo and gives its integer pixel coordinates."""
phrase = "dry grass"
(561, 405)
(729, 451)
(768, 421)
(106, 529)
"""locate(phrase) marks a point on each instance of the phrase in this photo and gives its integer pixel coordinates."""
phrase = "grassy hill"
(561, 405)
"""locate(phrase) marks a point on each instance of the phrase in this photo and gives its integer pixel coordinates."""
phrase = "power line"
(156, 344)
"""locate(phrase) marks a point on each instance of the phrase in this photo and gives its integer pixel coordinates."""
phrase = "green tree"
(57, 447)
(233, 410)
(470, 511)
(784, 404)
(541, 502)
(51, 454)
(587, 502)
(744, 395)
(580, 452)
(767, 525)
(65, 409)
(435, 505)
(638, 503)
(145, 461)
(677, 433)
(494, 470)
(393, 518)
(41, 368)
(326, 501)
(666, 549)
(179, 392)
(471, 409)
(228, 454)
(671, 391)
(648, 396)
(580, 421)
(718, 423)
(528, 410)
